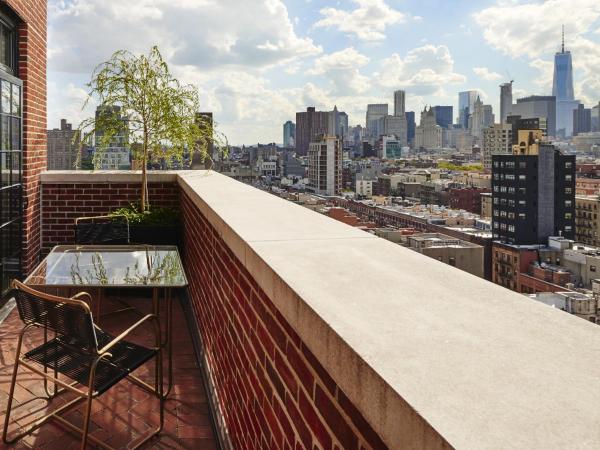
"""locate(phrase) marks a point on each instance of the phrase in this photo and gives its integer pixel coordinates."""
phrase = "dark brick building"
(468, 199)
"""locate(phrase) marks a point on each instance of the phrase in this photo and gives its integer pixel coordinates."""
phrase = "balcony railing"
(314, 333)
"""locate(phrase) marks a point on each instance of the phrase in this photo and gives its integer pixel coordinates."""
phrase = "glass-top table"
(110, 266)
(97, 267)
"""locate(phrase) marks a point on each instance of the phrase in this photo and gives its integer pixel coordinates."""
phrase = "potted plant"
(144, 108)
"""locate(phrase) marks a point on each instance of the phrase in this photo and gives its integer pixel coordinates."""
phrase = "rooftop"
(419, 363)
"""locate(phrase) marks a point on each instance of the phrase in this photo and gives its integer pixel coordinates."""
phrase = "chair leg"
(12, 388)
(88, 405)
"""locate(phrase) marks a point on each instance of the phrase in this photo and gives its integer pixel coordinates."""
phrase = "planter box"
(155, 235)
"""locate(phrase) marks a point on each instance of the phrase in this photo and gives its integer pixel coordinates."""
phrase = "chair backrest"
(102, 230)
(69, 318)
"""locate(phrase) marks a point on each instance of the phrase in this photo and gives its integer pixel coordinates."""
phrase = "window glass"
(16, 100)
(5, 102)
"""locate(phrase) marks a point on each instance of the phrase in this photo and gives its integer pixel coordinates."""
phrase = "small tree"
(145, 108)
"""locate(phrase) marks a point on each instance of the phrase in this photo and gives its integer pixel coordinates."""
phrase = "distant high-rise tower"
(466, 102)
(399, 103)
(505, 101)
(374, 113)
(443, 116)
(289, 134)
(562, 89)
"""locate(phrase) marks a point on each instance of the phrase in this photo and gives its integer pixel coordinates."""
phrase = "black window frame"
(11, 162)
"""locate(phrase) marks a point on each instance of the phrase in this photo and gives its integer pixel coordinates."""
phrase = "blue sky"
(258, 62)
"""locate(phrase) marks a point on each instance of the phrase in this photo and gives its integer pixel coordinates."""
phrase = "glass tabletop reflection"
(115, 265)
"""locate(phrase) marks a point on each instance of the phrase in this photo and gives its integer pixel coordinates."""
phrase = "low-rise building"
(458, 253)
(486, 204)
(587, 224)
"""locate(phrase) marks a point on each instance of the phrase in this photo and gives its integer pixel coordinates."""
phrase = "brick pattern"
(272, 390)
(124, 412)
(32, 70)
(63, 203)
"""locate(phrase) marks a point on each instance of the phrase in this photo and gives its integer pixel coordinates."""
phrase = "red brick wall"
(63, 203)
(32, 70)
(272, 391)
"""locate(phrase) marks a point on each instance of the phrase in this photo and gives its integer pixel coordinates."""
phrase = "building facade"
(396, 126)
(538, 106)
(373, 124)
(587, 223)
(325, 165)
(411, 127)
(63, 147)
(428, 134)
(399, 103)
(289, 134)
(443, 116)
(562, 90)
(533, 193)
(309, 125)
(505, 101)
(582, 120)
(497, 140)
(466, 102)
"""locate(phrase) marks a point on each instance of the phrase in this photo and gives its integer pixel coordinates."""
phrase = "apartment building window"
(523, 165)
(522, 177)
(568, 165)
(568, 177)
(568, 203)
(10, 159)
(568, 216)
(568, 190)
(511, 228)
(522, 216)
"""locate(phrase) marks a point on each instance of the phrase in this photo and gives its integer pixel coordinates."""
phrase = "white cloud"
(204, 33)
(424, 70)
(367, 21)
(342, 70)
(486, 74)
(533, 30)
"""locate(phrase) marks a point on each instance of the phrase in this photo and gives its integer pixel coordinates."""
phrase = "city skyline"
(321, 54)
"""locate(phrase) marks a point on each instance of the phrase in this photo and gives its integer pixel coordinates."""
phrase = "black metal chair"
(83, 353)
(102, 230)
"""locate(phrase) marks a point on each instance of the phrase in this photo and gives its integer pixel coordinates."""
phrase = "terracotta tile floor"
(125, 411)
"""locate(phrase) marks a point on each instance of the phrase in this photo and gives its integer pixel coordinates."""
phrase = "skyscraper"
(582, 120)
(399, 103)
(562, 89)
(443, 116)
(374, 113)
(505, 101)
(466, 102)
(411, 127)
(428, 134)
(289, 134)
(310, 124)
(540, 106)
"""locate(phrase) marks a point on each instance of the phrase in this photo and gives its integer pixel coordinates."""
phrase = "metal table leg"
(167, 342)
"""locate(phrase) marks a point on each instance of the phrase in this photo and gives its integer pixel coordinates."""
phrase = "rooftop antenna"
(563, 38)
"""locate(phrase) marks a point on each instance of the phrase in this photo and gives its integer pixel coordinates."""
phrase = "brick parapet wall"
(272, 391)
(32, 42)
(62, 203)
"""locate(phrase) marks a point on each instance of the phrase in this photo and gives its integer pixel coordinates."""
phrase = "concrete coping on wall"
(106, 176)
(433, 357)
